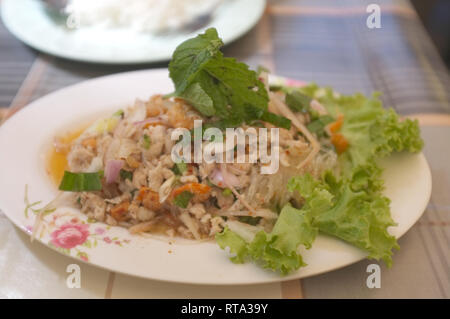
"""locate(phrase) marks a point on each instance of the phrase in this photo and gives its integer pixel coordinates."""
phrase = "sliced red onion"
(217, 178)
(112, 170)
(228, 178)
(292, 82)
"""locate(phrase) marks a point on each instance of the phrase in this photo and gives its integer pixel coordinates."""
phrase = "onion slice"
(229, 178)
(225, 174)
(218, 177)
(152, 120)
(112, 170)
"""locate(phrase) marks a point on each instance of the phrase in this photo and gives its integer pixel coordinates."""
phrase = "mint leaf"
(124, 175)
(190, 57)
(146, 141)
(240, 84)
(219, 86)
(196, 96)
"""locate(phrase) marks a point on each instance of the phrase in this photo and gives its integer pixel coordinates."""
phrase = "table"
(324, 41)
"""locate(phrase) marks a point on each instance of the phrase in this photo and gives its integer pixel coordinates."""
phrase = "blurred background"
(324, 41)
(435, 15)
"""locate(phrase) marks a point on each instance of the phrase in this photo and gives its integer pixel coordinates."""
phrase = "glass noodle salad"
(120, 170)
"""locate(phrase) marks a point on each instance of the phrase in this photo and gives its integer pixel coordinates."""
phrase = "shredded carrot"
(336, 126)
(119, 211)
(143, 191)
(194, 188)
(340, 142)
(92, 142)
(149, 198)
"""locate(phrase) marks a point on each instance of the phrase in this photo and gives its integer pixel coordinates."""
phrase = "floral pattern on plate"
(68, 232)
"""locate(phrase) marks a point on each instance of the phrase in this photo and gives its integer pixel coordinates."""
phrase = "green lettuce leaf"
(237, 245)
(357, 217)
(277, 250)
(349, 205)
(372, 132)
(360, 214)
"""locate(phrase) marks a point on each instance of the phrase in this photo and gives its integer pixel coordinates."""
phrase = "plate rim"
(114, 61)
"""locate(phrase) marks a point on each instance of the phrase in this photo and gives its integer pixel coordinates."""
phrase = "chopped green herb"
(313, 114)
(227, 192)
(318, 125)
(124, 175)
(182, 167)
(133, 192)
(276, 120)
(208, 182)
(275, 88)
(119, 113)
(146, 141)
(298, 101)
(81, 182)
(179, 168)
(249, 220)
(79, 200)
(182, 200)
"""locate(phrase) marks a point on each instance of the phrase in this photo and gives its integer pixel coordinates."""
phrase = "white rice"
(139, 15)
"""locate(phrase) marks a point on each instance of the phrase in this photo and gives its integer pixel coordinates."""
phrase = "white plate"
(28, 21)
(25, 137)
